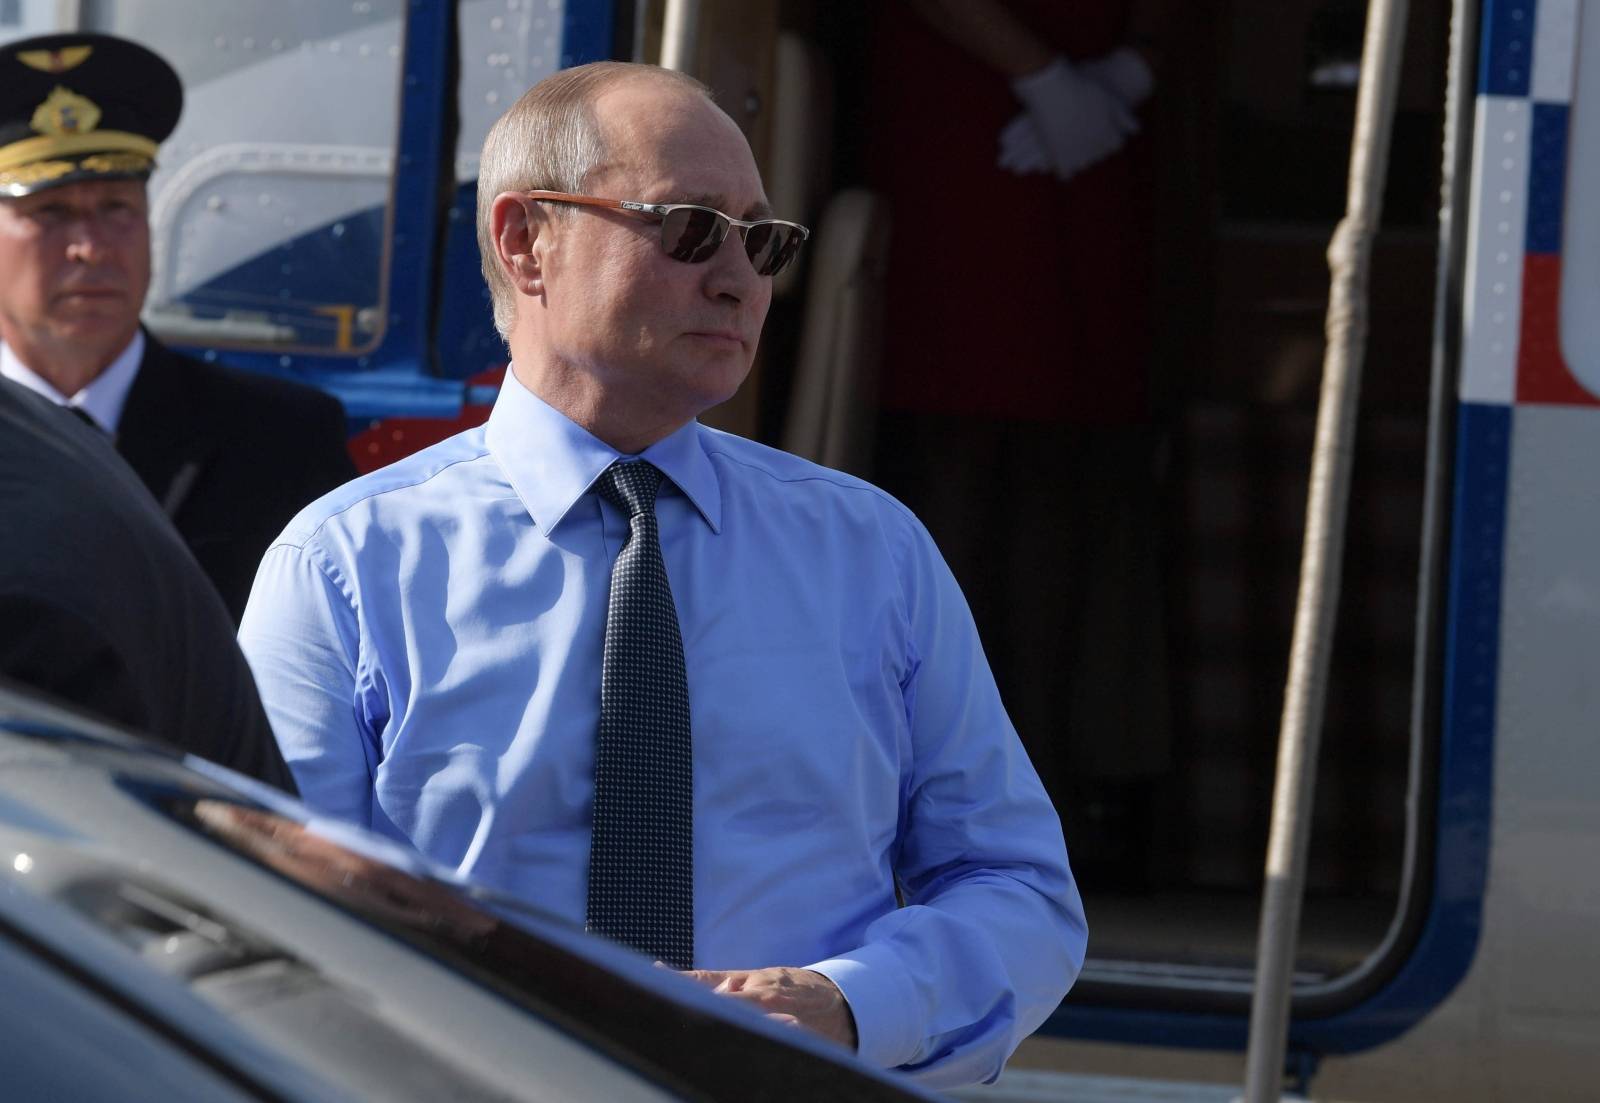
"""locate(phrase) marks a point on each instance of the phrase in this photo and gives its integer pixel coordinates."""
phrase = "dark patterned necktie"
(641, 852)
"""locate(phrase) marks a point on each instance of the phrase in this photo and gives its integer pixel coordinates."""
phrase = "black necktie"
(641, 853)
(88, 419)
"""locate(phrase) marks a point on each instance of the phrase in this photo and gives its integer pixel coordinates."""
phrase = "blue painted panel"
(1505, 64)
(336, 263)
(403, 388)
(466, 342)
(1547, 176)
(587, 32)
(415, 207)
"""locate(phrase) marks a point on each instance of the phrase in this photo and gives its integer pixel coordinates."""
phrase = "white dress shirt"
(104, 396)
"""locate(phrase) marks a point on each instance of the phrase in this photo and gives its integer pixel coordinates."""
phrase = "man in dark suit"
(230, 457)
(103, 607)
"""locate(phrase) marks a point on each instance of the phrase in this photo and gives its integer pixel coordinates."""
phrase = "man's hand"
(796, 996)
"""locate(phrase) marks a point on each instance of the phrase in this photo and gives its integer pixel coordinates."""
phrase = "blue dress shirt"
(427, 641)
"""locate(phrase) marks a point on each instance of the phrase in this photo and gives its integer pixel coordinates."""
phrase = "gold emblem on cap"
(116, 162)
(26, 176)
(55, 61)
(65, 112)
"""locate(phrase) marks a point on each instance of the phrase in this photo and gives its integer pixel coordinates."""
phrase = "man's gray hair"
(548, 140)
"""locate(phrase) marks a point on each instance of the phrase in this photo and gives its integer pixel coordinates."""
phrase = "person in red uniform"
(1016, 394)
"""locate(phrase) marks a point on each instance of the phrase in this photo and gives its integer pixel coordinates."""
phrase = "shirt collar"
(551, 461)
(104, 396)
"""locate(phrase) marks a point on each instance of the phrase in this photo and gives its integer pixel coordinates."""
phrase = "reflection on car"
(169, 930)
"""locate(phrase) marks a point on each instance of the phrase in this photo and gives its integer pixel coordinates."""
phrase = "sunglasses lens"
(771, 246)
(692, 234)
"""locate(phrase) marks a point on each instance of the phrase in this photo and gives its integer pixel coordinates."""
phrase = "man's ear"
(515, 225)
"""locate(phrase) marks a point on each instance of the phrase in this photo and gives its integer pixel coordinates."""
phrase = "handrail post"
(680, 34)
(1349, 260)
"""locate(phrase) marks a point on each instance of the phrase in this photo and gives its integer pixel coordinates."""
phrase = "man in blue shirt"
(873, 855)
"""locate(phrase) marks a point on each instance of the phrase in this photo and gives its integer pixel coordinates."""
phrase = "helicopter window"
(21, 18)
(270, 207)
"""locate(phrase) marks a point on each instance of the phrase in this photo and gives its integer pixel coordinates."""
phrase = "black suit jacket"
(101, 604)
(230, 456)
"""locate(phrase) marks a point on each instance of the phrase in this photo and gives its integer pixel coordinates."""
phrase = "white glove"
(1022, 149)
(1075, 118)
(1080, 121)
(1124, 72)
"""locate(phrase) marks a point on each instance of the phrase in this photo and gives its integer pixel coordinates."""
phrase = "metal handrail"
(680, 34)
(1349, 262)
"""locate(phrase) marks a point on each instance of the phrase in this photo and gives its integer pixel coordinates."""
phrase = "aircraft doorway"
(1174, 505)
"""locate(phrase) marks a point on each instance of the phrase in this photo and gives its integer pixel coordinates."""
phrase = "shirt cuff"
(880, 995)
